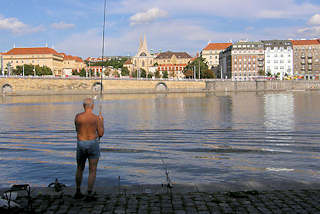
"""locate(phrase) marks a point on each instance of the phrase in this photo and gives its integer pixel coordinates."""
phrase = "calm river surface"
(199, 137)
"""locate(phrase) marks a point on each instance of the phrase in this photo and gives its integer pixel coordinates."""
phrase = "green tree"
(29, 70)
(165, 74)
(125, 71)
(143, 73)
(82, 72)
(195, 64)
(261, 72)
(150, 75)
(188, 74)
(207, 74)
(114, 62)
(134, 74)
(157, 74)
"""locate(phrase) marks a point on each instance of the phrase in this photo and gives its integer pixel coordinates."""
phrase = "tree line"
(30, 70)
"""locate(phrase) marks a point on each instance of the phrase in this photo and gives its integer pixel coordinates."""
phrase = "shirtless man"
(89, 129)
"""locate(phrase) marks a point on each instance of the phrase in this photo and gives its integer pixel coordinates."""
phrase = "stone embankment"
(183, 200)
(55, 86)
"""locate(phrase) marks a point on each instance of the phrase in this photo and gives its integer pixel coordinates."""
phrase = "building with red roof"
(42, 56)
(211, 53)
(306, 58)
(71, 63)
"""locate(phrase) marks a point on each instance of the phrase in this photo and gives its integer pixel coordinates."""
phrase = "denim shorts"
(88, 149)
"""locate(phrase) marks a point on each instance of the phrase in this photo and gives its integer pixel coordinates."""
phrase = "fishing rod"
(165, 166)
(103, 33)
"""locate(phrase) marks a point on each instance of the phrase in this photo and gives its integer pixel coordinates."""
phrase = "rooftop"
(27, 51)
(306, 42)
(169, 54)
(217, 46)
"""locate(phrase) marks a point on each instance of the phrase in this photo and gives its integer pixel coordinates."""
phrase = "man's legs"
(93, 163)
(80, 168)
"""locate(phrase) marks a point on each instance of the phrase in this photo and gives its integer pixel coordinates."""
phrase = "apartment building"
(306, 58)
(173, 63)
(242, 61)
(278, 58)
(211, 53)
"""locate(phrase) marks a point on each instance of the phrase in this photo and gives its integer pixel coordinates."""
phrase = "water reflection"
(279, 112)
(201, 137)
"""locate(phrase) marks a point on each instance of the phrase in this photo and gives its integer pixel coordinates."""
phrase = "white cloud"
(312, 32)
(148, 16)
(314, 20)
(16, 26)
(231, 8)
(62, 26)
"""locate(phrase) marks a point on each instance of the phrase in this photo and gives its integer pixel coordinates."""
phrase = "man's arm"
(100, 128)
(75, 122)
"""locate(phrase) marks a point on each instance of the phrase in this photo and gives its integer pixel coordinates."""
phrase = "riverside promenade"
(240, 197)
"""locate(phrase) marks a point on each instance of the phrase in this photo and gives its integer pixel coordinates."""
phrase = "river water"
(198, 138)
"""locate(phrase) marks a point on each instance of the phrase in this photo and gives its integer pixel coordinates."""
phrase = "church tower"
(143, 59)
(143, 48)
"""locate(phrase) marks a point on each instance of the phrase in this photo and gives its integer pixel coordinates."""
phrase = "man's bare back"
(89, 126)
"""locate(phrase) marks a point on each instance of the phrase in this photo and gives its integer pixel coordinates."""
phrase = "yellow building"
(173, 63)
(42, 56)
(71, 63)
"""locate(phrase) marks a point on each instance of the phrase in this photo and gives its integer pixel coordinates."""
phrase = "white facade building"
(278, 58)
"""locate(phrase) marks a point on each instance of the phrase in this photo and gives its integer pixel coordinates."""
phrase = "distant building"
(129, 65)
(98, 59)
(242, 60)
(173, 63)
(306, 58)
(143, 59)
(72, 63)
(278, 57)
(42, 56)
(211, 53)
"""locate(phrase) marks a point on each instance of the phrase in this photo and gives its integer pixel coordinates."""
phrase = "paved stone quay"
(272, 201)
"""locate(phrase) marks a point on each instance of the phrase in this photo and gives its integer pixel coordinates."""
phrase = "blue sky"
(75, 26)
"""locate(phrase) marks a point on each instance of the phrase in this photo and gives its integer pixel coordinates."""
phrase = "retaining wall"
(42, 86)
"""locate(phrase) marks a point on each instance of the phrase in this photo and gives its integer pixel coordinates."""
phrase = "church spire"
(144, 45)
(143, 48)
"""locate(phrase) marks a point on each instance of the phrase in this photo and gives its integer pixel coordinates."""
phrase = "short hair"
(88, 103)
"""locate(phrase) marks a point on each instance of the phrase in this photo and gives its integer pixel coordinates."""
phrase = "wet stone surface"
(275, 201)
